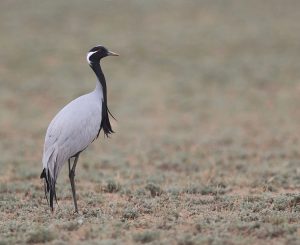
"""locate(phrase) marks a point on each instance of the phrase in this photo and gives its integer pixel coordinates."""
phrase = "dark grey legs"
(72, 176)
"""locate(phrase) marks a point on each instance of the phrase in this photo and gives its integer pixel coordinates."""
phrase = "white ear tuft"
(89, 55)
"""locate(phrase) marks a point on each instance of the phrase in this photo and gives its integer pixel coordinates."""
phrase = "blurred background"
(205, 93)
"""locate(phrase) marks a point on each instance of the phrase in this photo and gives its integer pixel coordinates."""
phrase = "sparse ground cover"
(206, 96)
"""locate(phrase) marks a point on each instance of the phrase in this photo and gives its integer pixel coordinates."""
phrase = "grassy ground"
(206, 96)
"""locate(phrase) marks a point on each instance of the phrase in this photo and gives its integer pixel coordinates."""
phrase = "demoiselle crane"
(76, 126)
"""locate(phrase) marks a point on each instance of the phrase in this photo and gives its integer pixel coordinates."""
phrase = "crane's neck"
(101, 85)
(105, 123)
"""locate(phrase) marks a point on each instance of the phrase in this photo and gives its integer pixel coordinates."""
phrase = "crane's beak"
(110, 53)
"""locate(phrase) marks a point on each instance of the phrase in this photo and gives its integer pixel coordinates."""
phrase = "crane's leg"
(72, 176)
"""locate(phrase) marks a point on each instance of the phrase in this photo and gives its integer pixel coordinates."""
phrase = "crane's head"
(97, 53)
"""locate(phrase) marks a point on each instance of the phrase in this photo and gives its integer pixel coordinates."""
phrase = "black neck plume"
(105, 123)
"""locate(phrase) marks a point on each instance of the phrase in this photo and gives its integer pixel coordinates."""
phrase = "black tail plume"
(49, 183)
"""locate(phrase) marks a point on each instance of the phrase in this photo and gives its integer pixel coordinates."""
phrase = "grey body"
(72, 130)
